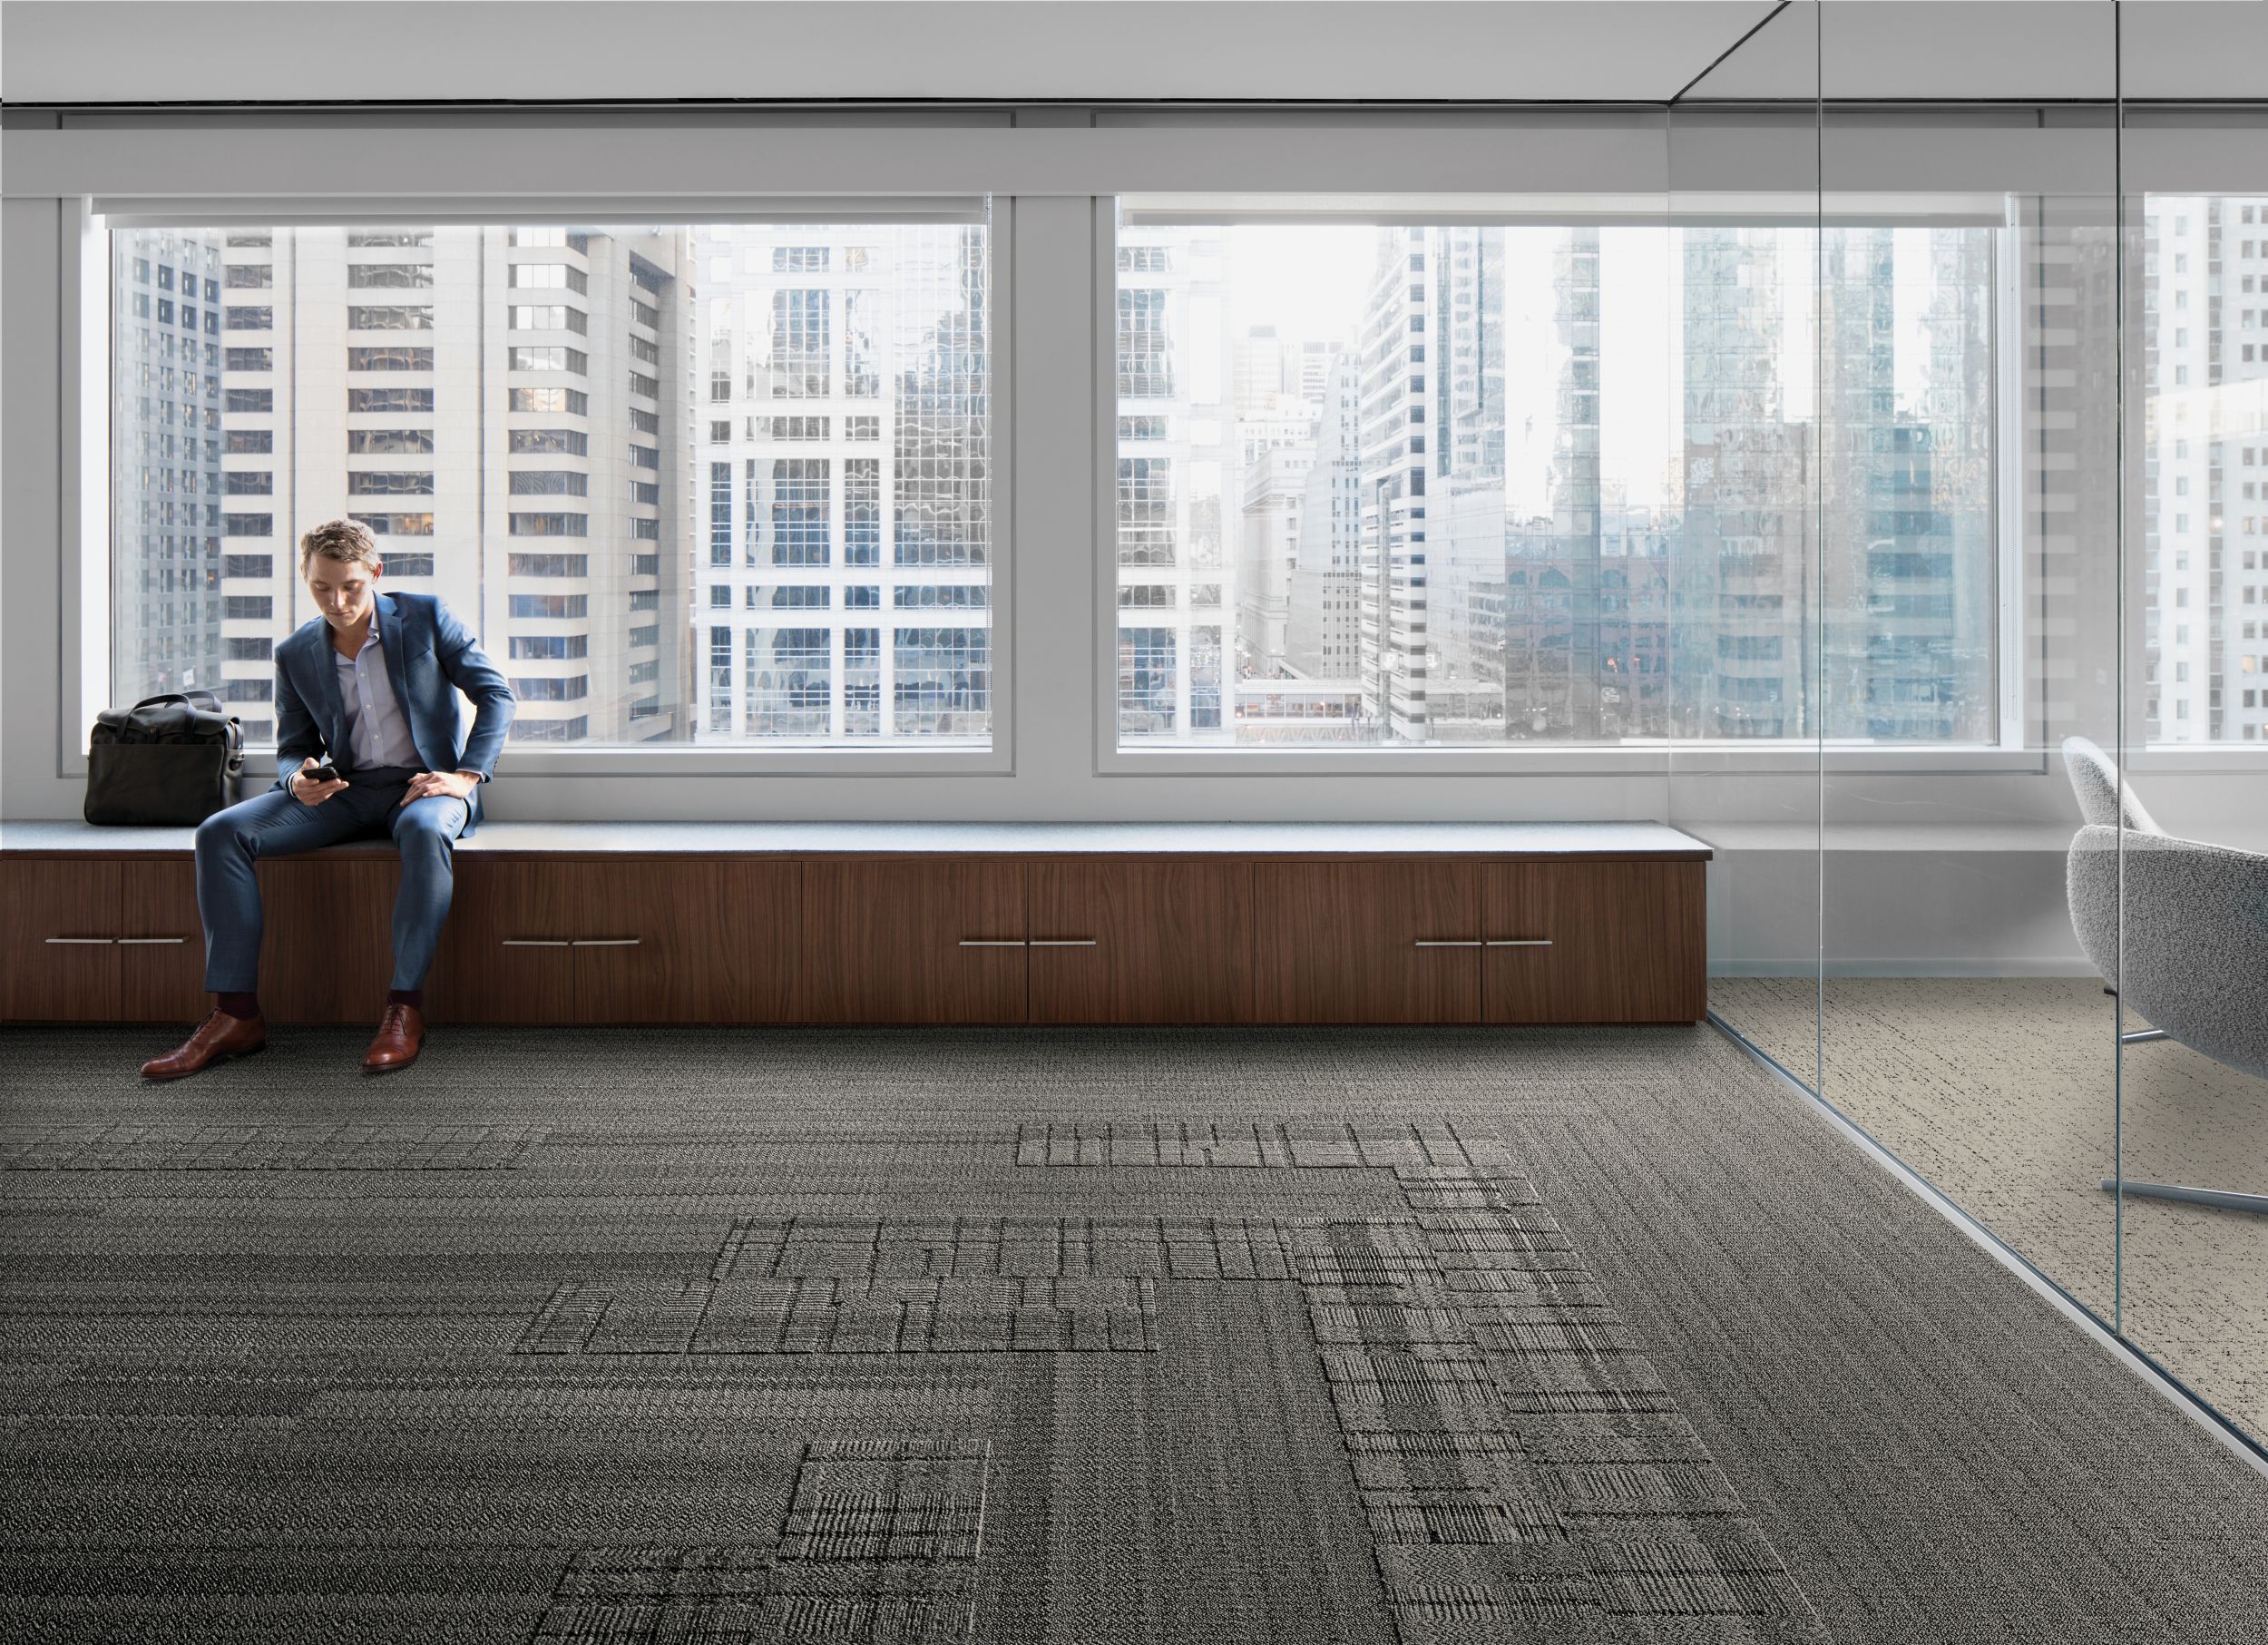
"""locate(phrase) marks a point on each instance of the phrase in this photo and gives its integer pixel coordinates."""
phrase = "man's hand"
(308, 792)
(426, 784)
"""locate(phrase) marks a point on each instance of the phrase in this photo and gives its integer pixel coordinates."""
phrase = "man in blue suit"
(369, 686)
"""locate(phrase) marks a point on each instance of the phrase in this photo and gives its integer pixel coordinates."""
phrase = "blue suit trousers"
(274, 824)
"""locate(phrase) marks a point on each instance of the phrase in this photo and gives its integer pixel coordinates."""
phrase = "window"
(559, 276)
(396, 526)
(795, 364)
(799, 531)
(548, 647)
(389, 359)
(550, 483)
(389, 400)
(378, 276)
(397, 318)
(720, 513)
(789, 687)
(549, 605)
(549, 525)
(389, 484)
(559, 442)
(943, 682)
(550, 316)
(390, 442)
(909, 344)
(525, 359)
(862, 511)
(574, 401)
(547, 565)
(1322, 540)
(550, 688)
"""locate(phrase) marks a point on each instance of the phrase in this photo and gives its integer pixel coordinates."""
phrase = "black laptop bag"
(166, 761)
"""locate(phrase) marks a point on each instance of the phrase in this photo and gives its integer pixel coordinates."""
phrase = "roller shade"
(227, 211)
(1682, 209)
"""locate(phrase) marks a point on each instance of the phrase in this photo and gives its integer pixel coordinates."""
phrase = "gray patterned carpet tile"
(1381, 1337)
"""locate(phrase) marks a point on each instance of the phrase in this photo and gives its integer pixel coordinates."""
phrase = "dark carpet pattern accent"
(1130, 1338)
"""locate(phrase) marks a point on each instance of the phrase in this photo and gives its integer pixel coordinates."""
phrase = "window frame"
(1042, 165)
(2015, 751)
(84, 677)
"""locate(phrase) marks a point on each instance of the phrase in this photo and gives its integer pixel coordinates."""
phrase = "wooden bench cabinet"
(924, 924)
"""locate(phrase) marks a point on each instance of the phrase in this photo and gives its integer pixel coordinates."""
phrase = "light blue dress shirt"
(377, 731)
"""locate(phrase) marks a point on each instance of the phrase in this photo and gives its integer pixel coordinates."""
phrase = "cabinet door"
(1136, 941)
(327, 945)
(914, 941)
(161, 944)
(1371, 942)
(1596, 942)
(690, 941)
(505, 953)
(61, 953)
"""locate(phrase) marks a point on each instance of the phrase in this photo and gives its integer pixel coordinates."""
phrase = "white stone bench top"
(967, 838)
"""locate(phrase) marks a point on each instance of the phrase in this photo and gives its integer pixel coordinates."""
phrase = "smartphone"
(325, 772)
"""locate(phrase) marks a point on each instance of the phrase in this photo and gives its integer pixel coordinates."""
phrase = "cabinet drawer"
(1382, 942)
(1135, 942)
(61, 958)
(1596, 942)
(160, 945)
(326, 942)
(689, 941)
(914, 941)
(505, 953)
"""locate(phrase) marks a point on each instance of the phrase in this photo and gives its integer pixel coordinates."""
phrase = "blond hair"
(349, 540)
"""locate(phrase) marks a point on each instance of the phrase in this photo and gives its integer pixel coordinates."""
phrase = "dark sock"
(244, 1005)
(406, 997)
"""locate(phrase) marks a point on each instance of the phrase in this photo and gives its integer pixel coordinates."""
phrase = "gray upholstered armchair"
(2193, 961)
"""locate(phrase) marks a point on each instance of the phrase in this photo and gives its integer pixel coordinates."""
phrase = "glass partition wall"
(1744, 764)
(1986, 567)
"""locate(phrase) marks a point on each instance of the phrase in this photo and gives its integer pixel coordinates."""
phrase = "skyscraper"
(844, 589)
(166, 487)
(506, 409)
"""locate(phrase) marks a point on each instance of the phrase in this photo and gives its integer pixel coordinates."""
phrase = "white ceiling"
(134, 51)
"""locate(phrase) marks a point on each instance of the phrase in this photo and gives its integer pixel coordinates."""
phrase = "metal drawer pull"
(83, 941)
(606, 942)
(1519, 942)
(1063, 942)
(145, 940)
(993, 942)
(1452, 941)
(536, 942)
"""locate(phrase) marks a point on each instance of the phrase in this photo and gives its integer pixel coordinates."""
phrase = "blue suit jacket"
(427, 653)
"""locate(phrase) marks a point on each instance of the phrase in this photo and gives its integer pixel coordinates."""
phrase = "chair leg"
(2227, 1199)
(2144, 1036)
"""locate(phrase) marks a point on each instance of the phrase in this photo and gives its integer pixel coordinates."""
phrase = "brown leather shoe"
(401, 1035)
(216, 1039)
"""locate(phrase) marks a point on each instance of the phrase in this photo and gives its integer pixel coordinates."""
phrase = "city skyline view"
(758, 457)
